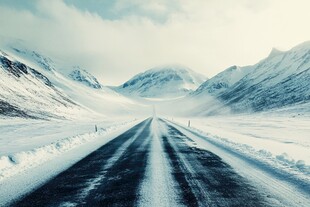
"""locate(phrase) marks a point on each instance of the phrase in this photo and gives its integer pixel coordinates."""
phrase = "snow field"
(18, 162)
(28, 178)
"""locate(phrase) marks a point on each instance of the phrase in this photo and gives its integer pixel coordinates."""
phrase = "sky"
(116, 39)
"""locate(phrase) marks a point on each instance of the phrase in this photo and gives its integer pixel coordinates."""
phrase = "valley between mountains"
(168, 136)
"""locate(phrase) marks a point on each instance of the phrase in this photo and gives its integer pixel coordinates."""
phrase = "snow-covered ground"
(32, 151)
(282, 188)
(27, 134)
(271, 151)
(277, 142)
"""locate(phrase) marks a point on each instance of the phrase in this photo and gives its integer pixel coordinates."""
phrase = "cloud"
(206, 35)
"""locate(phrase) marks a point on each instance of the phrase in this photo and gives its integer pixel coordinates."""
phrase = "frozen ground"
(277, 142)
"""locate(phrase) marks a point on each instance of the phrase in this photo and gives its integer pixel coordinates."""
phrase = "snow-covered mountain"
(281, 79)
(222, 81)
(41, 60)
(33, 85)
(85, 78)
(162, 82)
(36, 59)
(25, 92)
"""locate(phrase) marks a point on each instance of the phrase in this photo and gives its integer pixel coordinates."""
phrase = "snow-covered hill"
(34, 85)
(49, 89)
(222, 81)
(281, 79)
(85, 78)
(162, 82)
(25, 92)
(40, 60)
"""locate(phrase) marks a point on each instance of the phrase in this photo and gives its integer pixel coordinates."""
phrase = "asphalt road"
(113, 175)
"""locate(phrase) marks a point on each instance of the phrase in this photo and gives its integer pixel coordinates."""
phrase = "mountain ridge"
(162, 82)
(33, 86)
(279, 80)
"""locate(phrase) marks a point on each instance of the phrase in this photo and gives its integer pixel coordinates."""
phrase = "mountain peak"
(274, 52)
(233, 68)
(222, 80)
(163, 81)
(170, 67)
(84, 77)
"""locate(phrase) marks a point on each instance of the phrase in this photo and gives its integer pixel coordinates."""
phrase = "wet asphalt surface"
(203, 178)
(112, 175)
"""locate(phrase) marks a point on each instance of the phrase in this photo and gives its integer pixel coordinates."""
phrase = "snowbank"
(275, 143)
(15, 163)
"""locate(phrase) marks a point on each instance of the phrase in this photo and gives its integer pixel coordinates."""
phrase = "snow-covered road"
(158, 163)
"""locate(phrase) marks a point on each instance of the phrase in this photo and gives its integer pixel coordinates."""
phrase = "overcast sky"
(115, 39)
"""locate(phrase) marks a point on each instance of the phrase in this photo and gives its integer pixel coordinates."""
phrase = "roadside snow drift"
(21, 161)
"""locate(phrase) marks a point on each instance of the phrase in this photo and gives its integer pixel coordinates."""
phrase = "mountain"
(44, 62)
(280, 80)
(36, 59)
(162, 82)
(32, 85)
(222, 81)
(25, 92)
(85, 78)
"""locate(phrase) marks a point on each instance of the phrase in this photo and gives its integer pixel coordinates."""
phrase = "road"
(149, 165)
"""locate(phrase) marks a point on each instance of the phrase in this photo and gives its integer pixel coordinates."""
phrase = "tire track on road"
(158, 186)
(203, 178)
(121, 188)
(65, 189)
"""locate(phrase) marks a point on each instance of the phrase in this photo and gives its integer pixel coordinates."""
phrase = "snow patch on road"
(93, 182)
(157, 187)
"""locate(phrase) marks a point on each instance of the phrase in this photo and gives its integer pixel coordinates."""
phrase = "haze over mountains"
(34, 86)
(163, 82)
(281, 79)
